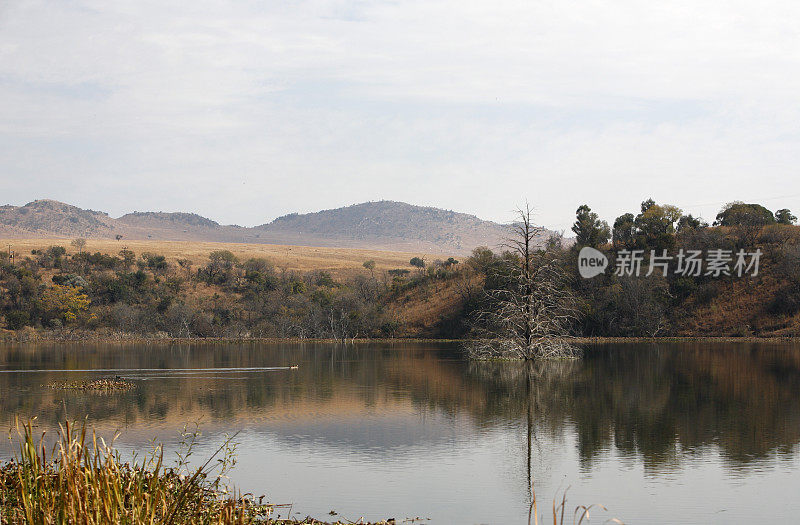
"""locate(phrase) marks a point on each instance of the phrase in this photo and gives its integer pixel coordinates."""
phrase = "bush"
(683, 287)
(325, 279)
(154, 261)
(706, 293)
(786, 301)
(70, 280)
(16, 319)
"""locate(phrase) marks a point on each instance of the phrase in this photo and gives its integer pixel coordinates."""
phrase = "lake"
(658, 433)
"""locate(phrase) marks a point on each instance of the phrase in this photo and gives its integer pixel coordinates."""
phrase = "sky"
(245, 111)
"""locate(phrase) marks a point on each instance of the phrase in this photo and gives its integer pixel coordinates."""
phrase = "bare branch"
(531, 313)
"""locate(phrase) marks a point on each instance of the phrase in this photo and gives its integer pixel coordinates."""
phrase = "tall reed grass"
(580, 515)
(82, 480)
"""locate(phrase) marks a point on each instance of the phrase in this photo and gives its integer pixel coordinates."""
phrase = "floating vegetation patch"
(103, 385)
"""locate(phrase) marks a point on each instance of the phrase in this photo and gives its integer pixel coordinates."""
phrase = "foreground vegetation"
(83, 480)
(70, 292)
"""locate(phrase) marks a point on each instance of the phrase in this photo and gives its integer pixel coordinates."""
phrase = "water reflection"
(661, 401)
(416, 429)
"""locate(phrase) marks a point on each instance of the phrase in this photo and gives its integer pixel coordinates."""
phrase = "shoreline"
(89, 337)
(688, 339)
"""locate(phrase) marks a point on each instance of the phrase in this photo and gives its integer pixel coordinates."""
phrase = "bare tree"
(79, 243)
(530, 310)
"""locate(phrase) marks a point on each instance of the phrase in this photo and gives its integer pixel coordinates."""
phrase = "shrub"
(786, 301)
(16, 319)
(706, 293)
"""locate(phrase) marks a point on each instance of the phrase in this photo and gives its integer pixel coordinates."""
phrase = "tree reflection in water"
(661, 404)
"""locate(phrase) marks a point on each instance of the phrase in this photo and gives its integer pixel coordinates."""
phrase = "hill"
(397, 224)
(159, 219)
(49, 217)
(383, 225)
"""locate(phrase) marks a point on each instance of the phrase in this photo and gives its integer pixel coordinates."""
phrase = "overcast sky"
(244, 111)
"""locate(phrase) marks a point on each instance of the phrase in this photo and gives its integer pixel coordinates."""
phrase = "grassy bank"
(47, 336)
(686, 339)
(81, 479)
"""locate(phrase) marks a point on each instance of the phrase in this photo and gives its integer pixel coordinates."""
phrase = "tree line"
(147, 294)
(661, 304)
(225, 296)
(534, 299)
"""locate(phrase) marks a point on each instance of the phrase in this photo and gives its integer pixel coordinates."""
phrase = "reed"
(580, 515)
(83, 480)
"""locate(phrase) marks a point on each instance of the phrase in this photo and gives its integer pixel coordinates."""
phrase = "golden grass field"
(298, 258)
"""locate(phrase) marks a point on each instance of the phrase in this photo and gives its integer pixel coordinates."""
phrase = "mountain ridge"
(386, 225)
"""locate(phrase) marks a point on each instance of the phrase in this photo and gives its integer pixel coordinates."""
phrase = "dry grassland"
(339, 261)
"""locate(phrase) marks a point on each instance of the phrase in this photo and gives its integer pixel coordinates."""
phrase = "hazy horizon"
(510, 215)
(265, 221)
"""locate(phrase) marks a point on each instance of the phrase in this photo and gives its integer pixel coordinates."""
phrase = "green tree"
(655, 225)
(784, 216)
(689, 222)
(64, 302)
(482, 260)
(589, 229)
(738, 213)
(417, 262)
(370, 265)
(624, 232)
(128, 257)
(16, 319)
(220, 265)
(154, 261)
(223, 258)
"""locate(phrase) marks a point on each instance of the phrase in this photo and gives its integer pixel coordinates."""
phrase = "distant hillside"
(48, 217)
(160, 219)
(384, 225)
(396, 223)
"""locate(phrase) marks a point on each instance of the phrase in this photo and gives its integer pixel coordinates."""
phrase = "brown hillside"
(403, 224)
(48, 217)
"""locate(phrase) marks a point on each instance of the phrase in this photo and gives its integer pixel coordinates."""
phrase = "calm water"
(663, 433)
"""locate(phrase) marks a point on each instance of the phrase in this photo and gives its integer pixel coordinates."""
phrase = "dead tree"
(529, 312)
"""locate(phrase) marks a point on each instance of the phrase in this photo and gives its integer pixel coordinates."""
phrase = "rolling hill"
(383, 225)
(48, 217)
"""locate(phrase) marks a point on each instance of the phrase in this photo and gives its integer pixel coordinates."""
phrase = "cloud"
(245, 111)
